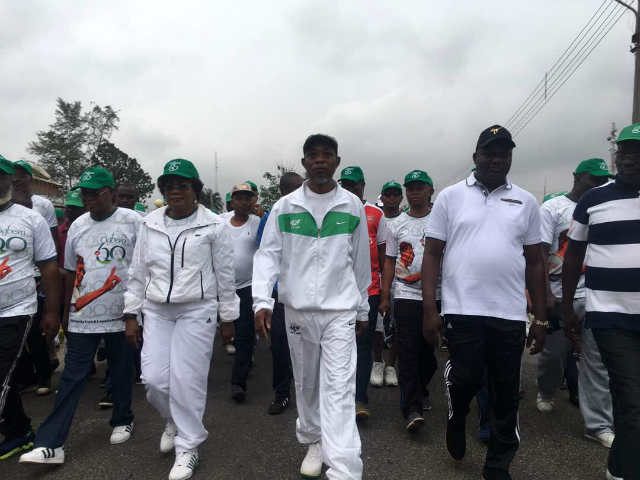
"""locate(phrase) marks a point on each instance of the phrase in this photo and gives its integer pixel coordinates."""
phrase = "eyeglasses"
(177, 186)
(89, 193)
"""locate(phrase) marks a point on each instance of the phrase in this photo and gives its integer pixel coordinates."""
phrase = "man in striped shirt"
(605, 236)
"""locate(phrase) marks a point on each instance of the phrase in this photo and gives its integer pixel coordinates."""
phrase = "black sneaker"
(15, 445)
(238, 393)
(278, 406)
(456, 439)
(106, 402)
(415, 421)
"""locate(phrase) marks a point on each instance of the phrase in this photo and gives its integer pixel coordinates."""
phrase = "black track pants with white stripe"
(492, 345)
(13, 335)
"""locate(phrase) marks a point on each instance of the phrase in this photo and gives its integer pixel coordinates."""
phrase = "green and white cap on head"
(6, 166)
(630, 132)
(181, 168)
(26, 166)
(391, 185)
(593, 166)
(353, 174)
(95, 178)
(73, 198)
(253, 186)
(417, 176)
(140, 207)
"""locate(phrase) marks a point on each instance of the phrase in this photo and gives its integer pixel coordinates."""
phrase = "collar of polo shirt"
(472, 180)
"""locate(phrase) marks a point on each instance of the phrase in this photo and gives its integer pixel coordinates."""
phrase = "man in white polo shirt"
(491, 229)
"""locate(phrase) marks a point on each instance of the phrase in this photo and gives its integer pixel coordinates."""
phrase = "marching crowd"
(349, 293)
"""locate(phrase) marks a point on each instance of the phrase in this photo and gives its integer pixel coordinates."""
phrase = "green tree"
(270, 191)
(124, 168)
(212, 200)
(71, 143)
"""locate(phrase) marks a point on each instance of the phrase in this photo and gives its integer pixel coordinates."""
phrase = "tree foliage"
(71, 143)
(212, 200)
(270, 191)
(124, 168)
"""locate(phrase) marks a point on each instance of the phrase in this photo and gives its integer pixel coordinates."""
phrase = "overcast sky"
(401, 85)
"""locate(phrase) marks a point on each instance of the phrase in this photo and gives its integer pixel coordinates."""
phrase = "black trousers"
(479, 345)
(13, 337)
(280, 357)
(416, 359)
(365, 352)
(244, 340)
(620, 351)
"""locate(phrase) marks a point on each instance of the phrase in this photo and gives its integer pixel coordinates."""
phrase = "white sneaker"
(121, 434)
(230, 348)
(610, 476)
(603, 438)
(390, 376)
(377, 374)
(186, 462)
(54, 456)
(312, 464)
(544, 406)
(168, 437)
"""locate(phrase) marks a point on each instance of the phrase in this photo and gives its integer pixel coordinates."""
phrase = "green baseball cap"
(73, 198)
(59, 213)
(630, 132)
(253, 186)
(417, 176)
(227, 197)
(25, 166)
(95, 178)
(7, 166)
(594, 166)
(549, 196)
(353, 174)
(181, 168)
(390, 185)
(140, 207)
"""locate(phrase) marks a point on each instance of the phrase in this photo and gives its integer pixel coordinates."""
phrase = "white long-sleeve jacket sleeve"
(362, 265)
(222, 258)
(266, 264)
(134, 295)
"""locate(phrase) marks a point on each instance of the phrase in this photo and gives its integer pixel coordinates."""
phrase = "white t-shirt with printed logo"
(25, 239)
(244, 247)
(405, 242)
(555, 218)
(100, 253)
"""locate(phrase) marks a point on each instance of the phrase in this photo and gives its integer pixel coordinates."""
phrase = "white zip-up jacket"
(317, 268)
(197, 266)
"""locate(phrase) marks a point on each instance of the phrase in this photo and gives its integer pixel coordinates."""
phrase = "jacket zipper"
(201, 287)
(172, 247)
(182, 260)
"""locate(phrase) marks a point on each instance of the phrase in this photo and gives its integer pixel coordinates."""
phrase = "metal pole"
(635, 49)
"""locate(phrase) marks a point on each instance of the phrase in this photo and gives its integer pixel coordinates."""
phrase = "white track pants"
(323, 357)
(178, 343)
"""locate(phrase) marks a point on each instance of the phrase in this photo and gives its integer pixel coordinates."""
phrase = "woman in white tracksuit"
(316, 245)
(181, 277)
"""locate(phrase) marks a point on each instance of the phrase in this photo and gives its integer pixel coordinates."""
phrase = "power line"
(590, 38)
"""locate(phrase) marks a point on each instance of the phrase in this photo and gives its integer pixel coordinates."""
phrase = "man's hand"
(50, 324)
(262, 320)
(132, 331)
(227, 330)
(431, 326)
(572, 327)
(384, 306)
(535, 340)
(361, 327)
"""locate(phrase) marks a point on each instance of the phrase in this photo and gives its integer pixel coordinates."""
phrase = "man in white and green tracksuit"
(316, 245)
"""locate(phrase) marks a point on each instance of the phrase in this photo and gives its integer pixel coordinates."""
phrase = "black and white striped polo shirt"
(608, 219)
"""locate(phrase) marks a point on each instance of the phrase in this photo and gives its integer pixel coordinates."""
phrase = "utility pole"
(613, 135)
(635, 49)
(215, 166)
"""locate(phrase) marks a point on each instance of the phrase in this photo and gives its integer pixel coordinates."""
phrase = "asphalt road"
(246, 443)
